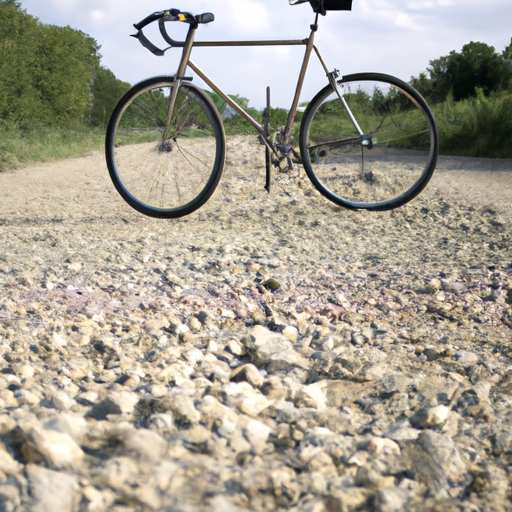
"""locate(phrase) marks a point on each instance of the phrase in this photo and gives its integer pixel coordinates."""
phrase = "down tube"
(257, 126)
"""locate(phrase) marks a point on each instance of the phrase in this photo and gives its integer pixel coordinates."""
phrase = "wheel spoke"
(165, 176)
(388, 165)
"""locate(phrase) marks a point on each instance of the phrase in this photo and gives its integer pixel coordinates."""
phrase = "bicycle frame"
(308, 43)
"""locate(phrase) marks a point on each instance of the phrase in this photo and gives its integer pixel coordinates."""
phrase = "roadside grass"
(19, 148)
(479, 127)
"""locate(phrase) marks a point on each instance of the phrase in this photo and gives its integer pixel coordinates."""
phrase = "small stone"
(246, 398)
(257, 433)
(453, 287)
(272, 284)
(27, 397)
(159, 391)
(391, 499)
(466, 358)
(62, 401)
(193, 356)
(161, 423)
(52, 490)
(195, 324)
(73, 426)
(117, 473)
(291, 333)
(436, 460)
(248, 373)
(27, 371)
(98, 501)
(236, 348)
(116, 402)
(55, 449)
(313, 395)
(147, 445)
(430, 417)
(383, 445)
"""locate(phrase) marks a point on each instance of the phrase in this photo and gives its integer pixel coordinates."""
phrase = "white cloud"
(97, 16)
(244, 16)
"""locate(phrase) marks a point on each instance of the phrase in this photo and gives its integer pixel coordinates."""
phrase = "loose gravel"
(269, 352)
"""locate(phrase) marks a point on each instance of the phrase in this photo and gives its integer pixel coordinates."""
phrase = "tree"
(507, 53)
(64, 63)
(476, 67)
(106, 92)
(45, 70)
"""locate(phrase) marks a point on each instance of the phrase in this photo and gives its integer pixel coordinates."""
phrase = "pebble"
(53, 448)
(52, 490)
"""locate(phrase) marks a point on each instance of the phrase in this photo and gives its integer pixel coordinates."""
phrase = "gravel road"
(270, 352)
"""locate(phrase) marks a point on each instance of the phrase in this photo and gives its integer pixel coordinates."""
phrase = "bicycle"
(367, 141)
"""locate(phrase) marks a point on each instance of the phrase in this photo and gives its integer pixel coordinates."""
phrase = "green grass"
(19, 148)
(480, 126)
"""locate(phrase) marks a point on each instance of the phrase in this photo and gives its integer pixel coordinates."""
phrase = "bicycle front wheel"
(165, 165)
(372, 144)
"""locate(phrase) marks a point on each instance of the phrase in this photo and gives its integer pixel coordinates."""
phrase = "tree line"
(476, 70)
(51, 76)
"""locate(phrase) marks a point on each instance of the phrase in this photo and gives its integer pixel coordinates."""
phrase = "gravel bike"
(367, 140)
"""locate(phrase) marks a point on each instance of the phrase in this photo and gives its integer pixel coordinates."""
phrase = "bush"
(477, 126)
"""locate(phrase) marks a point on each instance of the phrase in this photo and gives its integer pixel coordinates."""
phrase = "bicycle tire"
(386, 167)
(165, 172)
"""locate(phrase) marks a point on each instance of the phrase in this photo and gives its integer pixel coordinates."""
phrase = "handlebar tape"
(149, 19)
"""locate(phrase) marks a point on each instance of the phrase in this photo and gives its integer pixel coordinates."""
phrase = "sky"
(396, 37)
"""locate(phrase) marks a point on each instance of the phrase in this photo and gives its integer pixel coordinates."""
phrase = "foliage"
(106, 90)
(477, 66)
(45, 70)
(480, 126)
(507, 53)
(21, 147)
(50, 75)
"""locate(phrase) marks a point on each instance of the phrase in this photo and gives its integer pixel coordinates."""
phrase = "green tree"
(16, 37)
(45, 71)
(64, 64)
(507, 53)
(477, 66)
(106, 92)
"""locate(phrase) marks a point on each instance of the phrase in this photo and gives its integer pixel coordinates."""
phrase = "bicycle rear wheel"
(385, 167)
(162, 168)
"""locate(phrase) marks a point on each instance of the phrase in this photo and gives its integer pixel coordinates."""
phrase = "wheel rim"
(166, 167)
(385, 167)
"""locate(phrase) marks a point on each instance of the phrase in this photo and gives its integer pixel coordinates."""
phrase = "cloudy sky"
(397, 37)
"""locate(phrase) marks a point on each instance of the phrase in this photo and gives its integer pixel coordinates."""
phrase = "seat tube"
(293, 109)
(185, 55)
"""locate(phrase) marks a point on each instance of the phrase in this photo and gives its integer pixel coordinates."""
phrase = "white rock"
(55, 449)
(51, 490)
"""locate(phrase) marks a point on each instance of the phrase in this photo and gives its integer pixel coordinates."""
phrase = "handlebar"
(149, 19)
(162, 17)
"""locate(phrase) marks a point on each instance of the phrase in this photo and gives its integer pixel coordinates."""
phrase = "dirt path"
(81, 188)
(269, 352)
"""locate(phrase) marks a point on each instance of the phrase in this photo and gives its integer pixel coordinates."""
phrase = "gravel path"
(268, 352)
